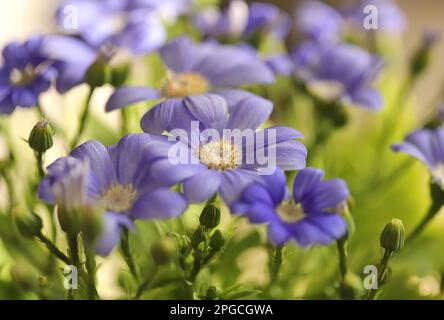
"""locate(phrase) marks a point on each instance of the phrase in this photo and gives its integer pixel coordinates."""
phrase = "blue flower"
(308, 216)
(339, 72)
(134, 25)
(227, 152)
(119, 179)
(242, 21)
(72, 58)
(426, 145)
(318, 21)
(195, 71)
(24, 75)
(390, 17)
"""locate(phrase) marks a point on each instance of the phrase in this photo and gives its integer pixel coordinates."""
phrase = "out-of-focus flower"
(132, 24)
(239, 20)
(24, 75)
(339, 72)
(118, 179)
(225, 164)
(318, 21)
(72, 59)
(195, 71)
(426, 145)
(308, 216)
(389, 17)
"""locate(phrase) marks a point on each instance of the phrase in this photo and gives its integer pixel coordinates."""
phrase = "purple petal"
(233, 96)
(250, 113)
(178, 54)
(159, 204)
(164, 170)
(157, 119)
(306, 181)
(128, 158)
(126, 96)
(277, 233)
(234, 182)
(367, 97)
(210, 109)
(113, 224)
(99, 160)
(202, 186)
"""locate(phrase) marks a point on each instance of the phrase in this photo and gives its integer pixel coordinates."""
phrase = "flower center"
(119, 197)
(185, 84)
(219, 155)
(438, 174)
(290, 211)
(22, 77)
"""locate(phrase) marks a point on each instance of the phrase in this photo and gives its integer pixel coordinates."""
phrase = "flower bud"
(119, 74)
(213, 293)
(28, 223)
(163, 250)
(98, 73)
(40, 138)
(198, 237)
(210, 216)
(217, 240)
(393, 236)
(421, 58)
(351, 287)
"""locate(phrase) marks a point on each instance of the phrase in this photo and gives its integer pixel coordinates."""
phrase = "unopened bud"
(98, 73)
(213, 293)
(40, 138)
(393, 236)
(198, 237)
(163, 250)
(28, 223)
(210, 216)
(217, 240)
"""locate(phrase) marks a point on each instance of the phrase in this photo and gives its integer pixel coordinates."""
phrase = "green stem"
(125, 121)
(91, 273)
(83, 118)
(127, 255)
(433, 210)
(275, 264)
(382, 270)
(39, 158)
(145, 285)
(74, 251)
(53, 249)
(342, 255)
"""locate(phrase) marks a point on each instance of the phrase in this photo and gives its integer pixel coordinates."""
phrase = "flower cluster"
(208, 99)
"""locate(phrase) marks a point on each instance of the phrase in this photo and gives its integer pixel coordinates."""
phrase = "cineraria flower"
(120, 180)
(242, 21)
(24, 75)
(227, 152)
(389, 19)
(134, 25)
(339, 72)
(196, 70)
(72, 58)
(318, 21)
(308, 216)
(426, 145)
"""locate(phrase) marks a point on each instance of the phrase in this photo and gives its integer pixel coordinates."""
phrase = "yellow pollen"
(119, 197)
(185, 84)
(220, 155)
(290, 211)
(22, 77)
